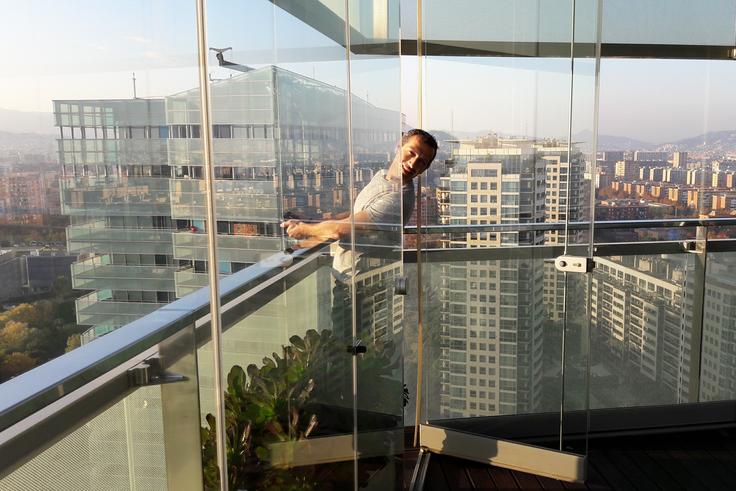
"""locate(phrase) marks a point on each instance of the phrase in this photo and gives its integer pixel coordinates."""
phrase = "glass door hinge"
(574, 264)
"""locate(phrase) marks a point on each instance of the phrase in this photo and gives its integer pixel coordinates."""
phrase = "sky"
(88, 49)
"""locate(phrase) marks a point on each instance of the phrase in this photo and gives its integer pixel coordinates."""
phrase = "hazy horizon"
(87, 50)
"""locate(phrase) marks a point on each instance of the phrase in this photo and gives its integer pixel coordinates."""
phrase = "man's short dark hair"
(425, 138)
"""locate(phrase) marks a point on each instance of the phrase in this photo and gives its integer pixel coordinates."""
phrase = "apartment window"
(222, 131)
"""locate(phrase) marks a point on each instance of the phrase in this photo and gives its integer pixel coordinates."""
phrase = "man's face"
(415, 157)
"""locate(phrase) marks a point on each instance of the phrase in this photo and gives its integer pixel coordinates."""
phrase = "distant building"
(493, 181)
(723, 179)
(656, 174)
(603, 180)
(724, 201)
(28, 196)
(646, 156)
(623, 209)
(679, 160)
(636, 314)
(25, 273)
(675, 175)
(613, 155)
(627, 169)
(678, 194)
(699, 177)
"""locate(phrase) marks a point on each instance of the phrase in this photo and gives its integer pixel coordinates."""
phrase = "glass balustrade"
(599, 131)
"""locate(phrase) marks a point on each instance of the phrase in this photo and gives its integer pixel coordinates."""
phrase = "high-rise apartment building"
(679, 160)
(627, 169)
(636, 306)
(27, 196)
(494, 311)
(718, 364)
(647, 156)
(115, 189)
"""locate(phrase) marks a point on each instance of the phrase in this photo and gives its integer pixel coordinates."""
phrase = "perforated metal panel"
(121, 449)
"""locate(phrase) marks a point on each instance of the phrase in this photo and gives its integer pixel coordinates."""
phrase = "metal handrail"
(32, 392)
(575, 226)
(42, 385)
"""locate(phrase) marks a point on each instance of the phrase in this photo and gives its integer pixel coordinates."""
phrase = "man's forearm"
(327, 230)
(330, 229)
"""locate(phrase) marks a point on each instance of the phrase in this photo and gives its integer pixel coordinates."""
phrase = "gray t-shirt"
(380, 200)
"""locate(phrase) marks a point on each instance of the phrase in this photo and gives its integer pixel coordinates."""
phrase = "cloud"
(152, 55)
(138, 39)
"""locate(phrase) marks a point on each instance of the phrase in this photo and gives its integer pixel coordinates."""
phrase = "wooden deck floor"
(703, 460)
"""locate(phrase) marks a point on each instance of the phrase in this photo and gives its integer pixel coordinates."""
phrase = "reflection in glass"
(718, 356)
(641, 319)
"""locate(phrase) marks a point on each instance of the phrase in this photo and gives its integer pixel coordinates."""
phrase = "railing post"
(208, 160)
(698, 310)
(180, 413)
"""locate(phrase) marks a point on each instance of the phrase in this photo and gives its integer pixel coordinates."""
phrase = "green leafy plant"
(265, 405)
(286, 399)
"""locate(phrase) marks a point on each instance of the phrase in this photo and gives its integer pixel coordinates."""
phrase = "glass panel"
(718, 354)
(148, 439)
(641, 319)
(493, 347)
(85, 215)
(569, 181)
(280, 116)
(504, 115)
(368, 264)
(121, 448)
(514, 26)
(288, 385)
(672, 159)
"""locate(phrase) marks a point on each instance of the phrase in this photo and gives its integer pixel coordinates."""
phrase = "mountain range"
(27, 122)
(39, 125)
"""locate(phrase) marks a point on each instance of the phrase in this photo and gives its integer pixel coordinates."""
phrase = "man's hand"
(327, 230)
(297, 229)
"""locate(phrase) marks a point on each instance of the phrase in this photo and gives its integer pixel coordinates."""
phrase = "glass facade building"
(133, 183)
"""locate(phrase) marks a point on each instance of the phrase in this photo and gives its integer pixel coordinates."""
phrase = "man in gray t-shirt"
(387, 199)
(378, 203)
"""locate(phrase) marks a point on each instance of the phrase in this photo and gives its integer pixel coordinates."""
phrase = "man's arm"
(327, 230)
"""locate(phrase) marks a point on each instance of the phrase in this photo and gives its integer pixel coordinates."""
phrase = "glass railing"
(98, 273)
(634, 339)
(156, 404)
(228, 131)
(491, 349)
(122, 447)
(100, 308)
(96, 238)
(188, 281)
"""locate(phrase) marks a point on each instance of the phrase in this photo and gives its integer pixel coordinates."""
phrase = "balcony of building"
(96, 237)
(98, 272)
(129, 405)
(234, 248)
